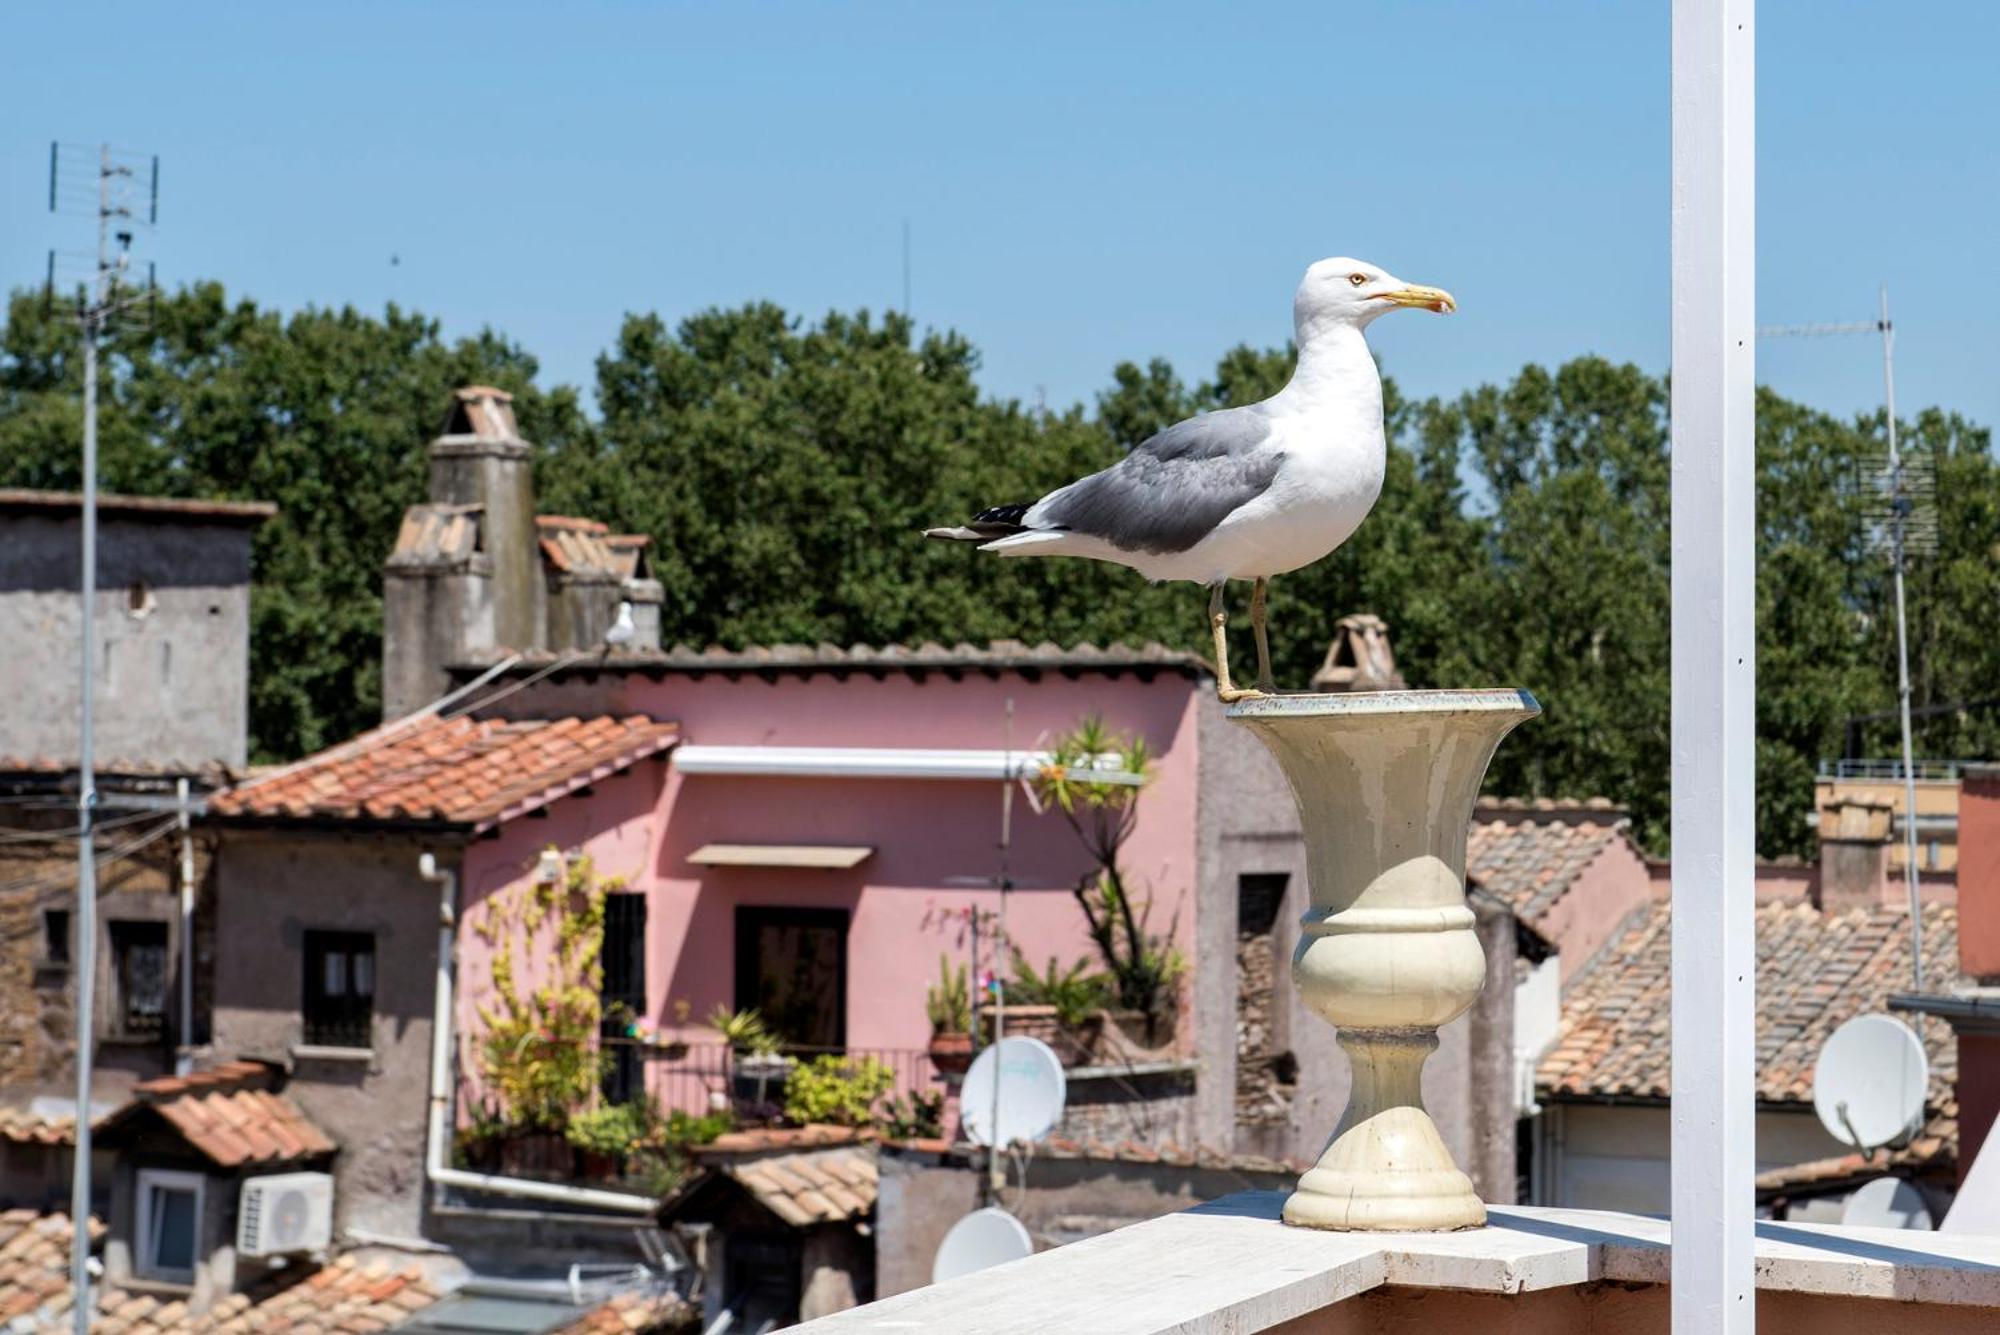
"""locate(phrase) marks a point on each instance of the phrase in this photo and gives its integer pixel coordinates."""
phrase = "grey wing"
(1173, 489)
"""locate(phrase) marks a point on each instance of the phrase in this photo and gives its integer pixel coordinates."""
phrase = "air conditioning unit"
(286, 1212)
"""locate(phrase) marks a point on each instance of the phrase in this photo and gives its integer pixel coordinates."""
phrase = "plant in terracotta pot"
(605, 1135)
(1093, 779)
(949, 1005)
(1071, 1001)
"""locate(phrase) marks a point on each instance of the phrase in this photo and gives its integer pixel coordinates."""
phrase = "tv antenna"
(122, 192)
(1899, 505)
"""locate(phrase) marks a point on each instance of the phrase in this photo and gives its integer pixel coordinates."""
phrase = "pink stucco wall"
(904, 908)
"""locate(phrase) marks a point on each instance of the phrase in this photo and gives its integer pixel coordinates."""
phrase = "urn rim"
(1507, 700)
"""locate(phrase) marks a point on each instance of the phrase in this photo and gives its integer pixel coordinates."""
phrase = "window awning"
(836, 856)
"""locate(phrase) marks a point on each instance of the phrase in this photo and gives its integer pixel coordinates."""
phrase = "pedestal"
(1385, 782)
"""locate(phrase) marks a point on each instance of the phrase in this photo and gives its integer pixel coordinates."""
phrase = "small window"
(340, 989)
(169, 1225)
(139, 979)
(139, 600)
(55, 936)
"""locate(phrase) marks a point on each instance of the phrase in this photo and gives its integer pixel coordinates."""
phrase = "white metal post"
(1714, 669)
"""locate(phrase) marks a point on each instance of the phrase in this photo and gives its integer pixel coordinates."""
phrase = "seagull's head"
(1344, 292)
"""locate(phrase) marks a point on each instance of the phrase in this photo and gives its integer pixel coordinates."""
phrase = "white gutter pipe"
(436, 1164)
(184, 1041)
(879, 762)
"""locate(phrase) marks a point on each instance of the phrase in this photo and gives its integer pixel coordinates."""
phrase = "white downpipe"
(184, 1058)
(436, 1164)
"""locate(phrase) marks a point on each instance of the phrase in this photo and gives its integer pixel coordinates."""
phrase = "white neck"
(1335, 374)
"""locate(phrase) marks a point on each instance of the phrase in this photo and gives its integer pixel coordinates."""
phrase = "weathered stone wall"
(172, 616)
(270, 888)
(1153, 1109)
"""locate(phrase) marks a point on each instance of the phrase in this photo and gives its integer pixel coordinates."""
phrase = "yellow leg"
(1265, 681)
(1218, 625)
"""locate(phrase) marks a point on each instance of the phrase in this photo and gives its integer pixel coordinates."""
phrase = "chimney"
(465, 579)
(1979, 873)
(1359, 659)
(482, 460)
(1853, 854)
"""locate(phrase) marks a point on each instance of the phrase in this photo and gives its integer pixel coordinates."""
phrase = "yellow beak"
(1430, 298)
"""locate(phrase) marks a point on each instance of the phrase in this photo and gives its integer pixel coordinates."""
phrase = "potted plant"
(1065, 1008)
(757, 1067)
(949, 1006)
(1093, 780)
(836, 1090)
(605, 1135)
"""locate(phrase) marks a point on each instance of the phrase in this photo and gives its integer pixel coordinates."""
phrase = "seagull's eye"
(1357, 278)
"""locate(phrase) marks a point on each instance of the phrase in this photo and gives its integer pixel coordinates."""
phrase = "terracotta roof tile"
(453, 770)
(818, 1186)
(1815, 971)
(229, 1114)
(1528, 854)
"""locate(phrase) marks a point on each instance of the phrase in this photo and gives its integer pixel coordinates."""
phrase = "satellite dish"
(983, 1238)
(1887, 1202)
(1030, 1092)
(1870, 1082)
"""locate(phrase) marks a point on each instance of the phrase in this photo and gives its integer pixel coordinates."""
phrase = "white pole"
(1714, 668)
(81, 1304)
(1899, 520)
(184, 1058)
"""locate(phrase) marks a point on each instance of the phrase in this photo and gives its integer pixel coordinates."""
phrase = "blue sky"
(1083, 183)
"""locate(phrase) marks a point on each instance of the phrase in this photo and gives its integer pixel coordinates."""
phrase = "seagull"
(1240, 493)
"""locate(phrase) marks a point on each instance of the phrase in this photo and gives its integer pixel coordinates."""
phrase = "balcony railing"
(697, 1077)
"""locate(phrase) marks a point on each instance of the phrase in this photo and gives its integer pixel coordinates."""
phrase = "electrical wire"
(33, 883)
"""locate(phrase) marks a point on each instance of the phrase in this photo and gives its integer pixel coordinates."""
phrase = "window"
(139, 979)
(791, 967)
(623, 993)
(55, 936)
(168, 1225)
(340, 989)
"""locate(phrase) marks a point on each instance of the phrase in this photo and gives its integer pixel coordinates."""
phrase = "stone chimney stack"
(1359, 659)
(1853, 855)
(480, 459)
(465, 577)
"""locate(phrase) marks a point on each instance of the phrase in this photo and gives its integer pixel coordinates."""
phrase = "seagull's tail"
(1002, 521)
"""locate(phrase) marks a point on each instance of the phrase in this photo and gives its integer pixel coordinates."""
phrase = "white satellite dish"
(983, 1238)
(1019, 1082)
(1870, 1082)
(1887, 1202)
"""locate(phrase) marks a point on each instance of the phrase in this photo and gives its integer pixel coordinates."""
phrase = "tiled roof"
(588, 547)
(770, 1139)
(634, 1311)
(201, 773)
(1815, 971)
(229, 1114)
(992, 658)
(816, 1187)
(436, 534)
(19, 1126)
(1529, 854)
(454, 770)
(140, 507)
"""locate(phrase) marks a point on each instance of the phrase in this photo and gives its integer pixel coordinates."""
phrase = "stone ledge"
(1229, 1268)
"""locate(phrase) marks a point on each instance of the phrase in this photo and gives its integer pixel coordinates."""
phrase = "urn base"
(1391, 1173)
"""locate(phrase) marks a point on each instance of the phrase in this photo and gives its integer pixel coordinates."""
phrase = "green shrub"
(914, 1116)
(840, 1090)
(612, 1129)
(1075, 992)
